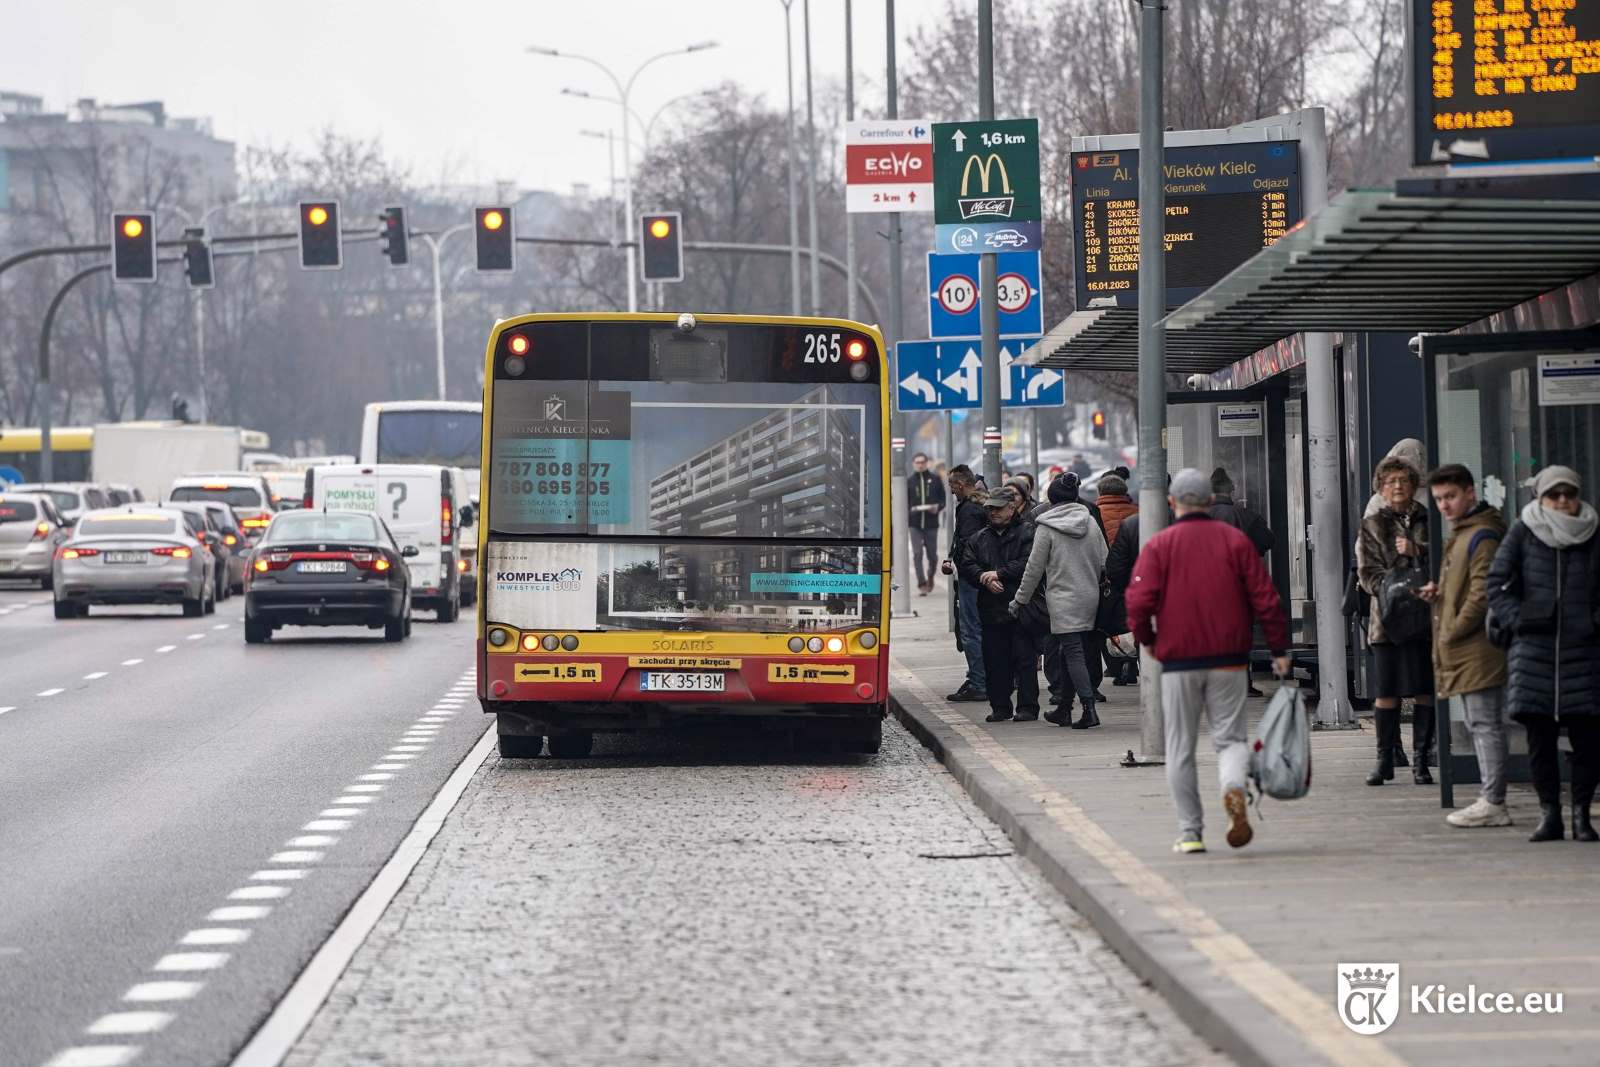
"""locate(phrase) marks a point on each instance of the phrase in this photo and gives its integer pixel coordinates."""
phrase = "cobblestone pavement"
(699, 900)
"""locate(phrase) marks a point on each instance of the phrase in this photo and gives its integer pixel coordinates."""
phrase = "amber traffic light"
(320, 245)
(661, 240)
(497, 248)
(133, 246)
(1098, 421)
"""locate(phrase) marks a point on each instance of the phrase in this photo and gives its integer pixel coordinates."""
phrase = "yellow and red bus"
(684, 519)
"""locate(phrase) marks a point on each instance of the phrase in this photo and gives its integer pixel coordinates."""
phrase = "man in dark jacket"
(965, 486)
(1241, 518)
(924, 506)
(1196, 588)
(992, 564)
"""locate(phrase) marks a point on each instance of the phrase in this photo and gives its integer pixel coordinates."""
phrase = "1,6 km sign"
(953, 295)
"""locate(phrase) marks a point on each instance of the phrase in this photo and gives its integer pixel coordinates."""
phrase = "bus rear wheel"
(573, 744)
(520, 746)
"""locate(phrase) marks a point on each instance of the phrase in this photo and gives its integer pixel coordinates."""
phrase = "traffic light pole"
(47, 456)
(899, 521)
(988, 281)
(438, 297)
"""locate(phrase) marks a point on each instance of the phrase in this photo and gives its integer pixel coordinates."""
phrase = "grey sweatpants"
(1221, 695)
(1485, 712)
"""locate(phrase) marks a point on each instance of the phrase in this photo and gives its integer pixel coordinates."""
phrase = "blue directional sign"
(945, 375)
(953, 295)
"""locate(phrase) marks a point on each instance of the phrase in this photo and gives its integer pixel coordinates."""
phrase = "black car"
(327, 568)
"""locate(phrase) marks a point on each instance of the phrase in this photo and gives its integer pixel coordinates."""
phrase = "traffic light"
(393, 234)
(197, 258)
(1098, 422)
(497, 249)
(320, 245)
(133, 246)
(662, 243)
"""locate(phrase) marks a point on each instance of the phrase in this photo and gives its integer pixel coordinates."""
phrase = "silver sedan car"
(134, 555)
(30, 530)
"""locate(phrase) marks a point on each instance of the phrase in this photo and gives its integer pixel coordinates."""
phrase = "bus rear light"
(835, 644)
(499, 638)
(856, 350)
(868, 640)
(864, 690)
(551, 642)
(517, 344)
(814, 645)
(797, 644)
(499, 689)
(569, 642)
(530, 643)
(859, 372)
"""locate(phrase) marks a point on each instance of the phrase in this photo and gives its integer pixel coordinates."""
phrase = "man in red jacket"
(1195, 589)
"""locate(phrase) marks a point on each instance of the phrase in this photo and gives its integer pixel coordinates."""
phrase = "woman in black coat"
(1542, 591)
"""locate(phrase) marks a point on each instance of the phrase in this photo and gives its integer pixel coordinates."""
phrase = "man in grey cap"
(1195, 591)
(992, 563)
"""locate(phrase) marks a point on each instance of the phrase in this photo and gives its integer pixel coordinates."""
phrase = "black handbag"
(1356, 600)
(1404, 615)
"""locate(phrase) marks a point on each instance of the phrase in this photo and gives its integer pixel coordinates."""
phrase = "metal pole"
(811, 169)
(47, 451)
(1152, 345)
(200, 351)
(627, 178)
(900, 526)
(1323, 440)
(438, 318)
(794, 210)
(1033, 443)
(849, 219)
(988, 286)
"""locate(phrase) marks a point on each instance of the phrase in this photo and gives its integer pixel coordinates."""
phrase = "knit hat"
(1064, 488)
(1113, 485)
(1191, 488)
(1553, 476)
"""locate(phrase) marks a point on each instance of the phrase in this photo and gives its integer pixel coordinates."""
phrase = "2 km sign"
(986, 185)
(888, 166)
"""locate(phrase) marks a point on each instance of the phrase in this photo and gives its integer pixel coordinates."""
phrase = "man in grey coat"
(1068, 555)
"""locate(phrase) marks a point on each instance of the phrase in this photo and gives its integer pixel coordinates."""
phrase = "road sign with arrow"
(953, 295)
(946, 375)
(986, 185)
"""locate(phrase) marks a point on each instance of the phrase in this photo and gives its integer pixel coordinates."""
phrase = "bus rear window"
(118, 525)
(17, 511)
(239, 496)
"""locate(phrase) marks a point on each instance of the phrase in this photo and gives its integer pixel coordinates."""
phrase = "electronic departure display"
(1224, 204)
(1505, 79)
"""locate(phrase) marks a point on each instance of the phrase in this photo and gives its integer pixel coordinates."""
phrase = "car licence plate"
(127, 557)
(678, 682)
(320, 566)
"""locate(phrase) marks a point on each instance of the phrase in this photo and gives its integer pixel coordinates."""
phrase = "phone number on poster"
(565, 488)
(538, 469)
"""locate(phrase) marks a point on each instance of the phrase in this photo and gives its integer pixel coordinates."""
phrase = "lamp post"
(611, 172)
(200, 317)
(623, 89)
(794, 213)
(434, 245)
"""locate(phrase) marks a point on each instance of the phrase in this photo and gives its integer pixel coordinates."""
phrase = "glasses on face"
(1561, 492)
(1397, 482)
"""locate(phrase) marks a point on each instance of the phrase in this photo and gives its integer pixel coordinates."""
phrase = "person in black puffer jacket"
(1542, 591)
(992, 564)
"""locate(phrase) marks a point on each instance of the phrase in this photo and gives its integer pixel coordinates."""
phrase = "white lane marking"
(132, 662)
(194, 637)
(166, 648)
(191, 961)
(92, 675)
(298, 855)
(418, 736)
(94, 1056)
(405, 750)
(11, 708)
(49, 693)
(311, 841)
(215, 935)
(354, 800)
(150, 992)
(377, 776)
(338, 813)
(239, 913)
(131, 1022)
(388, 766)
(259, 892)
(275, 1037)
(278, 876)
(397, 755)
(369, 788)
(220, 626)
(326, 824)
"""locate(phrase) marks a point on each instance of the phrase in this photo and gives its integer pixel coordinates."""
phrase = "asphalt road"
(155, 769)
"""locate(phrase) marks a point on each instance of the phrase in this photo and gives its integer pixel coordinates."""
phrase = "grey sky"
(464, 103)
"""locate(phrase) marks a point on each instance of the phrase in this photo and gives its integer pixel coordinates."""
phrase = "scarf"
(1558, 529)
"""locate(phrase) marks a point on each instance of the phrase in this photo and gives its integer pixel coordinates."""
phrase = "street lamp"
(611, 171)
(623, 90)
(647, 128)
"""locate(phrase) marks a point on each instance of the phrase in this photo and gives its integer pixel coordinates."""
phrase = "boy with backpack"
(1465, 664)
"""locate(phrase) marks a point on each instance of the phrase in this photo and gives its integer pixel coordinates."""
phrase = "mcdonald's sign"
(986, 185)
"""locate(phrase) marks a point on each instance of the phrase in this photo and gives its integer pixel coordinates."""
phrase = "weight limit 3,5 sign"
(953, 299)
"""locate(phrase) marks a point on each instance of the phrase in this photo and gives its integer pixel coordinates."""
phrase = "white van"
(418, 502)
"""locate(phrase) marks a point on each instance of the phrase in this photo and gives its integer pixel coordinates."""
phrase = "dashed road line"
(259, 892)
(327, 824)
(166, 648)
(153, 992)
(239, 913)
(215, 935)
(296, 855)
(132, 662)
(95, 1056)
(50, 692)
(220, 626)
(123, 1023)
(191, 961)
(11, 708)
(92, 675)
(194, 637)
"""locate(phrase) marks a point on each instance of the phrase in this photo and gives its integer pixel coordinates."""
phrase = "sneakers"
(1480, 813)
(1238, 809)
(1189, 841)
(967, 694)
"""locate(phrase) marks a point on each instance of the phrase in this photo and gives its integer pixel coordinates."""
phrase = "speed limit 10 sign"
(953, 295)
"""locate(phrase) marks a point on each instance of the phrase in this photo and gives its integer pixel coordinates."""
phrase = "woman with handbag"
(1542, 604)
(1069, 557)
(1393, 565)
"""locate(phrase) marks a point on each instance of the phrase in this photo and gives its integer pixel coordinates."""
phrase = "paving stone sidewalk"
(1251, 938)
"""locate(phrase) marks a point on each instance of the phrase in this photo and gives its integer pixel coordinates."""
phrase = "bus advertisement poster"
(575, 450)
(544, 585)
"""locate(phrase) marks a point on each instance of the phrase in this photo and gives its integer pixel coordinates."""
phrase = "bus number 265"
(823, 348)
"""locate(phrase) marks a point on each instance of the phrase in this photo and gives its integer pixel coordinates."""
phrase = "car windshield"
(317, 526)
(240, 496)
(143, 525)
(17, 511)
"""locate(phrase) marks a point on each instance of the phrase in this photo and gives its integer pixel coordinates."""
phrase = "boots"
(1423, 726)
(1400, 756)
(1549, 828)
(1087, 719)
(1582, 797)
(1060, 715)
(1387, 723)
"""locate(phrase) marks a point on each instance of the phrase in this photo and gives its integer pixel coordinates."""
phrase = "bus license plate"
(320, 566)
(660, 681)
